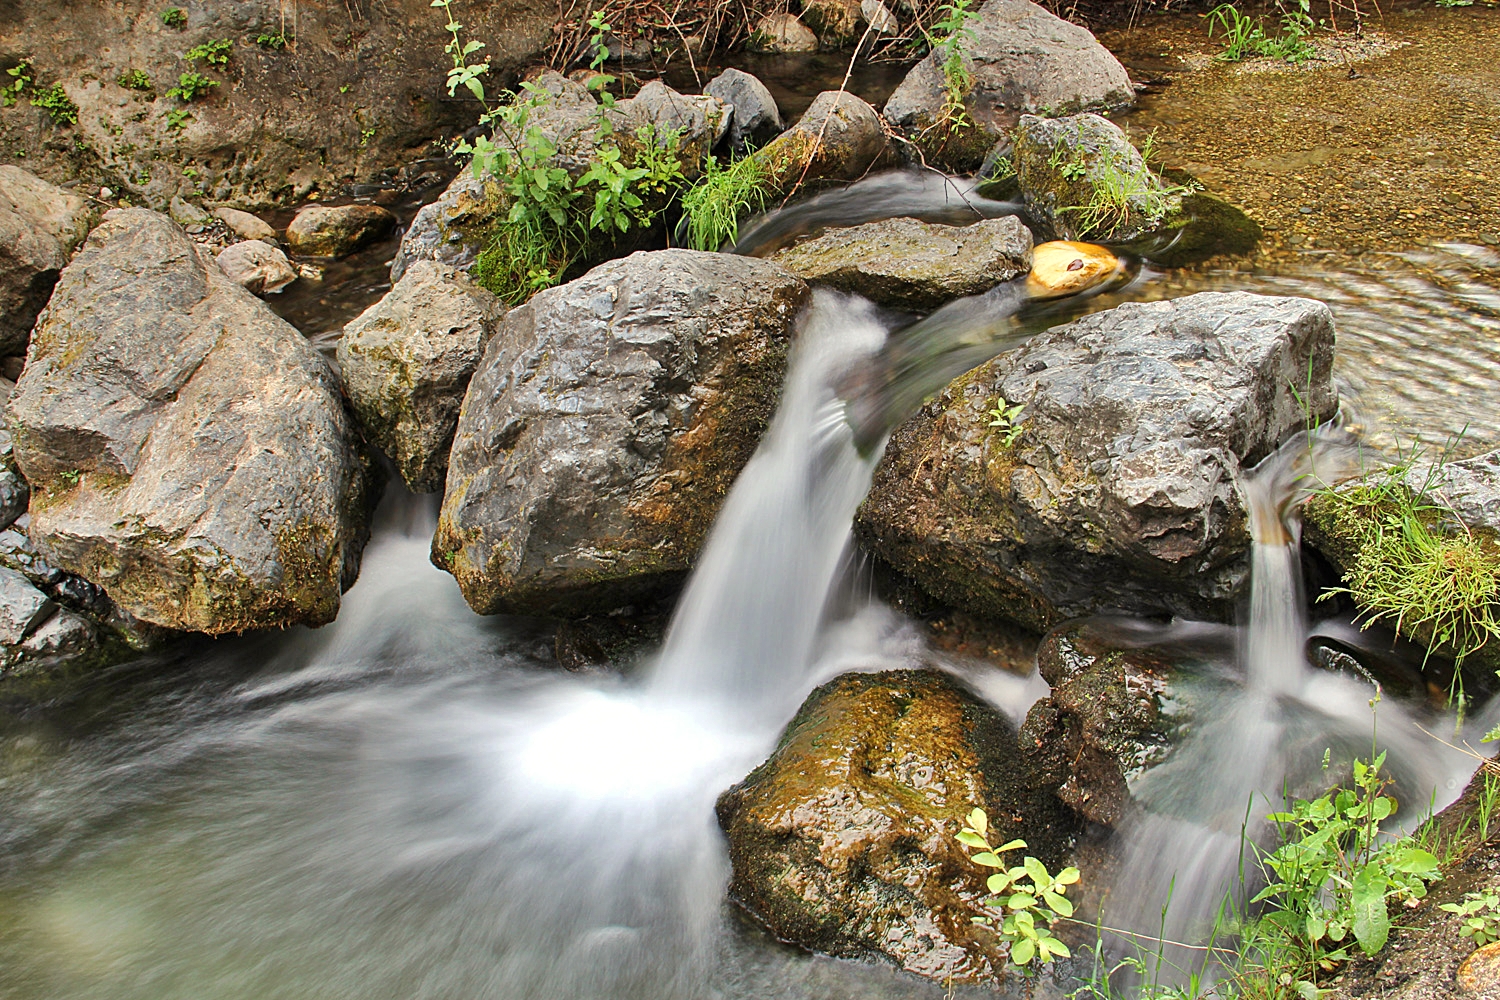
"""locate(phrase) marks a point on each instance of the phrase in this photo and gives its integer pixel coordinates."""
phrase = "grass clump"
(1118, 190)
(1245, 36)
(713, 208)
(1417, 566)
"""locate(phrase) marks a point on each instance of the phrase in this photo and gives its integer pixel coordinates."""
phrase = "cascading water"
(1256, 742)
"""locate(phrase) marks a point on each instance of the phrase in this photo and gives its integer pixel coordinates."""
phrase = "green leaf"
(988, 859)
(1053, 948)
(1059, 904)
(1372, 925)
(998, 882)
(1010, 845)
(1068, 876)
(1022, 904)
(1022, 951)
(1316, 928)
(1037, 871)
(979, 821)
(1307, 991)
(1414, 861)
(973, 840)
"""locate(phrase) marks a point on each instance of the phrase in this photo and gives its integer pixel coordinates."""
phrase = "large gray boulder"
(755, 119)
(187, 450)
(605, 425)
(838, 138)
(40, 225)
(844, 841)
(455, 227)
(407, 361)
(1120, 490)
(912, 264)
(1023, 59)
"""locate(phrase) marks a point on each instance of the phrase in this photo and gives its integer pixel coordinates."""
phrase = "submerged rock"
(188, 451)
(911, 264)
(1119, 491)
(1083, 179)
(604, 427)
(337, 231)
(843, 841)
(257, 267)
(40, 225)
(407, 361)
(1103, 722)
(756, 119)
(1023, 60)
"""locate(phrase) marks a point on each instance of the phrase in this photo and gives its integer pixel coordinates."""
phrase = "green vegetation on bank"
(1245, 36)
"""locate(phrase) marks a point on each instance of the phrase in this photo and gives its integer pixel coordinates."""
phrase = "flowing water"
(415, 803)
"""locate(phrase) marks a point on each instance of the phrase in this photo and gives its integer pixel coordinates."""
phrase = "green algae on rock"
(843, 840)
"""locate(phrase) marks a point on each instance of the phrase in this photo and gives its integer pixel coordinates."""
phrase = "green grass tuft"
(723, 196)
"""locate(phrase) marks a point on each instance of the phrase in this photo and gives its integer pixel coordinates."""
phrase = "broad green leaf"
(1025, 922)
(979, 821)
(1307, 991)
(1067, 876)
(998, 882)
(1059, 904)
(1414, 861)
(1316, 928)
(988, 859)
(1010, 845)
(1372, 925)
(1022, 951)
(1052, 947)
(1037, 871)
(973, 840)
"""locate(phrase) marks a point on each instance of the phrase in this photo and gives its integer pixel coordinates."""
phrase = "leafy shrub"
(1024, 899)
(57, 104)
(1245, 36)
(134, 79)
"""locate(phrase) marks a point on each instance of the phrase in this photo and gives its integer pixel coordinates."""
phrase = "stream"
(415, 803)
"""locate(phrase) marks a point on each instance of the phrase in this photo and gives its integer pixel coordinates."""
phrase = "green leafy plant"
(954, 36)
(191, 86)
(20, 79)
(1334, 874)
(462, 73)
(177, 119)
(134, 79)
(1481, 916)
(174, 17)
(1024, 899)
(57, 104)
(1455, 3)
(215, 53)
(1005, 419)
(722, 197)
(275, 42)
(1245, 36)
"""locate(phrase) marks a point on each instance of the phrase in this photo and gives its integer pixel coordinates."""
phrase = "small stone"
(1480, 972)
(880, 19)
(22, 607)
(64, 634)
(337, 231)
(246, 226)
(105, 194)
(1063, 267)
(258, 267)
(188, 215)
(784, 33)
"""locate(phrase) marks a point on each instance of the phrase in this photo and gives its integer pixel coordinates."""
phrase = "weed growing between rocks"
(54, 100)
(1024, 899)
(1418, 567)
(713, 209)
(1245, 36)
(1116, 189)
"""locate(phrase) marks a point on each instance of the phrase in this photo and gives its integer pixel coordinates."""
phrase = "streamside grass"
(1418, 567)
(713, 208)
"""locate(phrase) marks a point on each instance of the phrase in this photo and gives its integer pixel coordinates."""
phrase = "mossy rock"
(843, 840)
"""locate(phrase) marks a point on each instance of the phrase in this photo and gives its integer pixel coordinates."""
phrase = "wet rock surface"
(843, 840)
(1103, 722)
(1119, 493)
(187, 451)
(40, 225)
(407, 361)
(839, 138)
(604, 427)
(911, 264)
(1024, 60)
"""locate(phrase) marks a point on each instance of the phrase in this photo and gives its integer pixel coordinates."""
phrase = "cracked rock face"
(187, 450)
(1120, 491)
(605, 425)
(843, 840)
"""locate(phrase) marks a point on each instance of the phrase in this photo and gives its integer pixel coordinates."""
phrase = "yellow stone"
(1063, 267)
(1480, 972)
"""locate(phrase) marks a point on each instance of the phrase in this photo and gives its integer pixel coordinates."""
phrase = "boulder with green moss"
(1082, 179)
(1115, 487)
(407, 361)
(914, 265)
(1419, 549)
(605, 425)
(839, 138)
(187, 450)
(843, 841)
